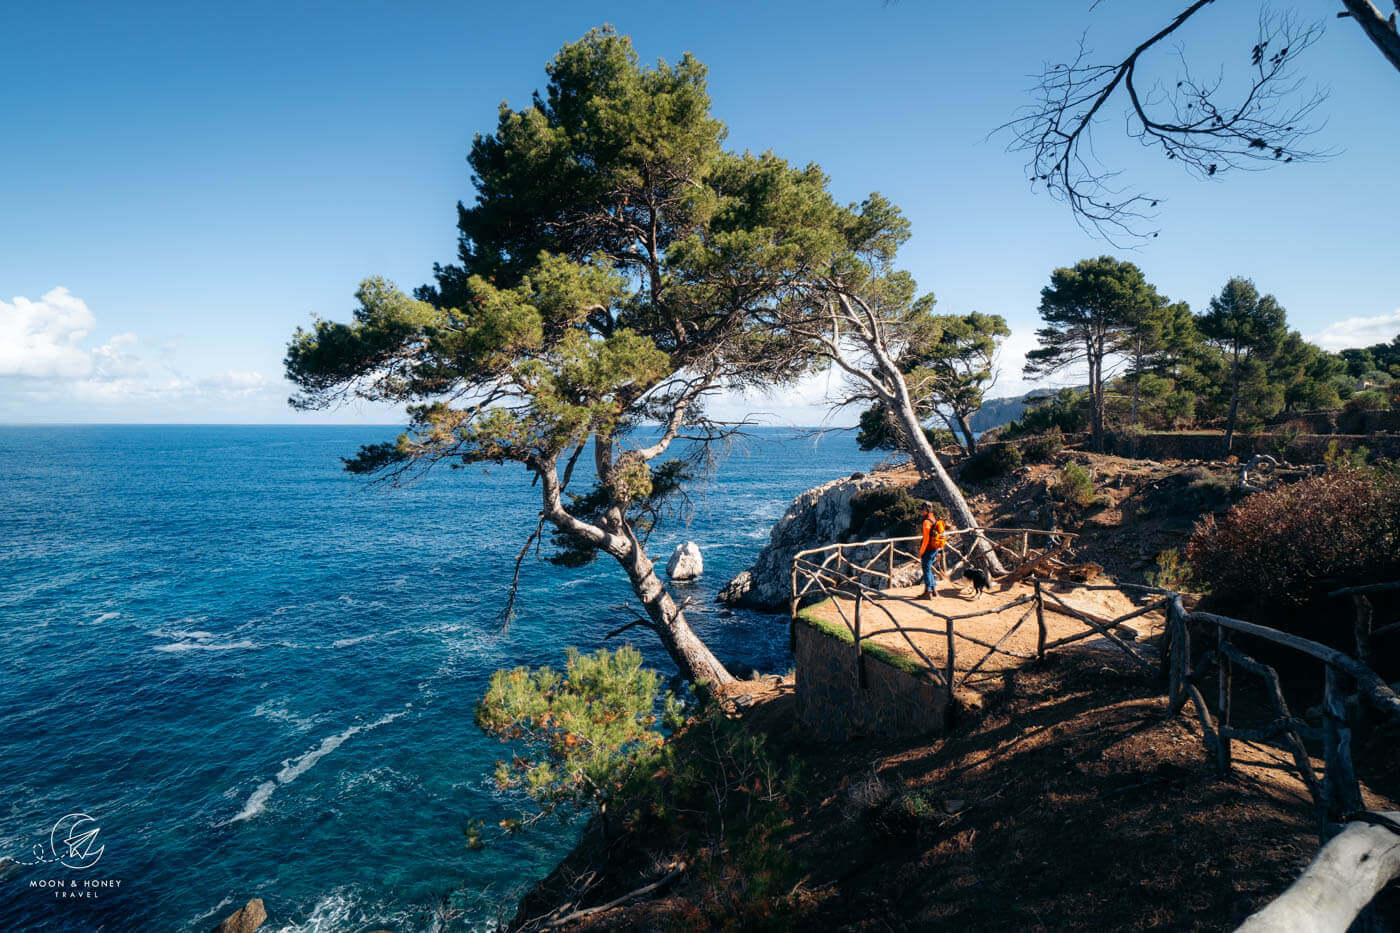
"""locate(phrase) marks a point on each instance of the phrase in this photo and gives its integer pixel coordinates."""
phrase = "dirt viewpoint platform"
(972, 636)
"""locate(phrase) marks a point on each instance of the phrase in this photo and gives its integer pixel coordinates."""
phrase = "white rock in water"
(686, 562)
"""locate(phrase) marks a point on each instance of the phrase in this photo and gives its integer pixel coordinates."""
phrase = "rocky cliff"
(1141, 509)
(819, 516)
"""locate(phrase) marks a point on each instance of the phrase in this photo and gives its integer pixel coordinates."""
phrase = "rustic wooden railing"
(851, 571)
(1365, 616)
(848, 570)
(1013, 544)
(1360, 855)
(1337, 793)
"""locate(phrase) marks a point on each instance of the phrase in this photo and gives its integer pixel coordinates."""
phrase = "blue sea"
(253, 675)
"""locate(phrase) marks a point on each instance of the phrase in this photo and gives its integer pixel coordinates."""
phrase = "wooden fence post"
(1340, 788)
(889, 583)
(1180, 656)
(1362, 607)
(1222, 701)
(948, 675)
(1164, 655)
(792, 612)
(1039, 623)
(860, 652)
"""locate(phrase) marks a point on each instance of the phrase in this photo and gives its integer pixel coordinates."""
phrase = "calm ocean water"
(256, 674)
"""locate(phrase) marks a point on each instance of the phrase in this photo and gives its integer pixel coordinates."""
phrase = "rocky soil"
(1073, 803)
(1144, 508)
(1070, 802)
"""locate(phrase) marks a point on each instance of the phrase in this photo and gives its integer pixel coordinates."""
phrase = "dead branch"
(1191, 123)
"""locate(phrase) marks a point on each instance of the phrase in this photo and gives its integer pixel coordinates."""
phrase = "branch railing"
(854, 572)
(1024, 550)
(847, 574)
(845, 571)
(1336, 793)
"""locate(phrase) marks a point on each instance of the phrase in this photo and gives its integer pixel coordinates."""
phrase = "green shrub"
(1074, 485)
(911, 814)
(989, 463)
(1247, 425)
(723, 794)
(1067, 411)
(714, 787)
(1286, 435)
(1207, 489)
(1335, 457)
(1279, 549)
(1352, 419)
(589, 730)
(1172, 572)
(1042, 448)
(886, 511)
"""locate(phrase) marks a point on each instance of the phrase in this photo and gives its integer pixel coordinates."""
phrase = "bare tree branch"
(507, 613)
(1378, 29)
(1191, 122)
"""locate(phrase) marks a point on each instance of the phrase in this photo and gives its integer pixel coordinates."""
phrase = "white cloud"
(807, 402)
(810, 401)
(235, 383)
(43, 354)
(1358, 332)
(1010, 358)
(1008, 368)
(40, 339)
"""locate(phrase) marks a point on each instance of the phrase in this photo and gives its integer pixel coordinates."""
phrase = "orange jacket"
(934, 535)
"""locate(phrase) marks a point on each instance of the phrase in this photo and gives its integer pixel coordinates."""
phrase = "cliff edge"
(819, 516)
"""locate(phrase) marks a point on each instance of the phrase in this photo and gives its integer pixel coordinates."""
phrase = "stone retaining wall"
(1306, 448)
(831, 702)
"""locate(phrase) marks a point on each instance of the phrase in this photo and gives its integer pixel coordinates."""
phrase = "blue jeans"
(930, 561)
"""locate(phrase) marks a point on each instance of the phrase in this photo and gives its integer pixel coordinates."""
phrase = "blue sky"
(181, 185)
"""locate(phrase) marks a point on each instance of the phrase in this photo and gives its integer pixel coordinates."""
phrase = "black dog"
(979, 580)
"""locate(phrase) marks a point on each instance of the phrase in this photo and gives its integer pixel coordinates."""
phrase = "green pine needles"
(587, 731)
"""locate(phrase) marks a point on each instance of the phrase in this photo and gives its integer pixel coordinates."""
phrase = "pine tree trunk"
(928, 464)
(953, 430)
(695, 661)
(967, 433)
(1137, 382)
(1095, 361)
(1234, 404)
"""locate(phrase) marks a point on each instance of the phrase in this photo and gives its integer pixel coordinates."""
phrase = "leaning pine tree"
(845, 303)
(606, 280)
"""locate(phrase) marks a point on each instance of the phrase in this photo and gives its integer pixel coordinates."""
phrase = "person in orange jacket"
(934, 538)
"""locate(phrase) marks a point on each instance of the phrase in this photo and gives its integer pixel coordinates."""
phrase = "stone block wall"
(1375, 422)
(831, 702)
(1307, 448)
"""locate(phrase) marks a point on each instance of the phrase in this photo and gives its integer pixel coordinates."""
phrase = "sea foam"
(293, 768)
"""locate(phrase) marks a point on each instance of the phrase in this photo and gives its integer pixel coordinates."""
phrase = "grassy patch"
(891, 656)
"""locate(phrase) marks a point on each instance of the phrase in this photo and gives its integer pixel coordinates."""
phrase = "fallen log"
(1347, 872)
(1026, 569)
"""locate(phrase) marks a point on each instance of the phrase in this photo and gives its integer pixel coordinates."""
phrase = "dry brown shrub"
(1277, 548)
